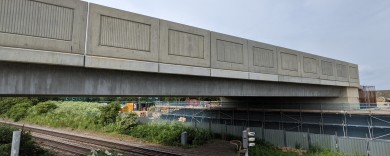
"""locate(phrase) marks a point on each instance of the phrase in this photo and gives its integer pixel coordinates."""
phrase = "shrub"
(109, 113)
(76, 115)
(18, 111)
(127, 121)
(7, 103)
(169, 134)
(27, 146)
(44, 107)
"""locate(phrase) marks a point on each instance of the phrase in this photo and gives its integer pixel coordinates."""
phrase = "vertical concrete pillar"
(15, 143)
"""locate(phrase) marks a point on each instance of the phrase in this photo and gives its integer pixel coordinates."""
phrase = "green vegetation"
(18, 111)
(106, 118)
(44, 107)
(98, 117)
(169, 134)
(264, 148)
(7, 103)
(109, 113)
(76, 115)
(27, 146)
(127, 121)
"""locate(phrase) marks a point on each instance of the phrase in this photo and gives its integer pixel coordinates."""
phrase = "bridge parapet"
(55, 32)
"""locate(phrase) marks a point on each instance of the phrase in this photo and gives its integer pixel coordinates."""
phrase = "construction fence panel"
(275, 137)
(379, 148)
(297, 139)
(218, 128)
(352, 145)
(323, 141)
(258, 131)
(238, 130)
(235, 131)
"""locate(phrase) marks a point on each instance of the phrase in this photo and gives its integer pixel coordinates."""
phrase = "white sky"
(356, 31)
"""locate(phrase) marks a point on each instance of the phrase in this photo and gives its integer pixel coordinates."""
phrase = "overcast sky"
(356, 31)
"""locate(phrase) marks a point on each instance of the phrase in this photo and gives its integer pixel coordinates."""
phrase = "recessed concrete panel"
(310, 66)
(119, 34)
(184, 45)
(342, 71)
(183, 70)
(353, 73)
(263, 58)
(289, 62)
(229, 52)
(50, 25)
(327, 69)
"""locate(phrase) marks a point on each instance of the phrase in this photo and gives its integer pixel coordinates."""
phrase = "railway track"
(81, 145)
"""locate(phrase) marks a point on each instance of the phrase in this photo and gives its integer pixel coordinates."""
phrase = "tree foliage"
(44, 107)
(109, 113)
(18, 111)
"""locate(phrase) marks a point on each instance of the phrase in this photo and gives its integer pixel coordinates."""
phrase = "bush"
(7, 103)
(127, 121)
(44, 107)
(109, 113)
(76, 115)
(18, 111)
(27, 146)
(169, 134)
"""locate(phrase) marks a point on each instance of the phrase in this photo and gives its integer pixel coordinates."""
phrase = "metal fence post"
(284, 138)
(337, 142)
(368, 147)
(15, 143)
(309, 138)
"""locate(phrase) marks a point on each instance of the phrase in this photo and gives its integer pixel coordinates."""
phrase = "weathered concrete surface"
(186, 70)
(39, 56)
(289, 62)
(18, 79)
(54, 32)
(263, 58)
(115, 33)
(50, 25)
(347, 96)
(184, 45)
(229, 52)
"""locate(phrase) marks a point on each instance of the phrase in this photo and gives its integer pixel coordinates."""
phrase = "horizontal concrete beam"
(20, 79)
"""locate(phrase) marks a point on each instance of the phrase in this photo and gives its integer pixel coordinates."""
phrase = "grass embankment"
(105, 118)
(98, 117)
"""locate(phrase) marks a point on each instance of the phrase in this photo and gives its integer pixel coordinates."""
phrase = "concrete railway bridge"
(67, 48)
(75, 48)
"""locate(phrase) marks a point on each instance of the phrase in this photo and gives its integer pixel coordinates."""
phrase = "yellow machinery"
(129, 107)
